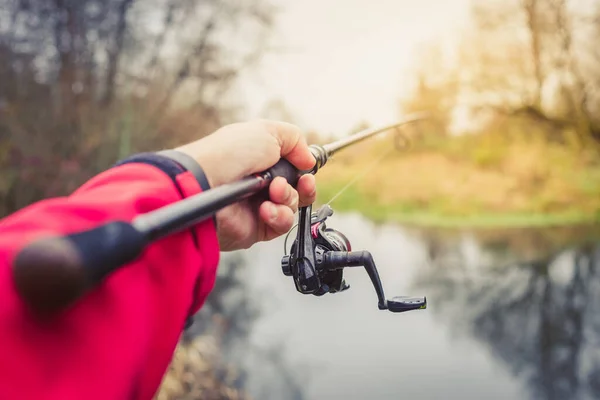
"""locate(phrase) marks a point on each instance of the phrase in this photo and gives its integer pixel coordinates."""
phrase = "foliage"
(517, 58)
(84, 83)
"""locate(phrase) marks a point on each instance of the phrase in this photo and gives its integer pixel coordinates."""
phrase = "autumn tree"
(532, 59)
(434, 89)
(86, 82)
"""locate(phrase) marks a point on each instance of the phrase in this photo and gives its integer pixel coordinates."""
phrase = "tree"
(520, 58)
(549, 79)
(435, 90)
(86, 82)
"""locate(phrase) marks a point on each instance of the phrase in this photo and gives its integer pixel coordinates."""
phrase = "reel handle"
(344, 259)
(52, 273)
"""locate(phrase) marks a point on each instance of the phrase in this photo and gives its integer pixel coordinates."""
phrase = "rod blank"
(341, 144)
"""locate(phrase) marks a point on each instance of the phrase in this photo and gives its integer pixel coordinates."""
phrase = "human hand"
(238, 150)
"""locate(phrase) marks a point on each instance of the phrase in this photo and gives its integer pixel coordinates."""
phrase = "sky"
(347, 61)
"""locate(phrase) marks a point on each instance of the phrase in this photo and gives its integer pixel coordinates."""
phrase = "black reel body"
(324, 240)
(319, 255)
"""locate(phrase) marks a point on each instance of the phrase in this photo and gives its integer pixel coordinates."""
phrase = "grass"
(484, 181)
(409, 215)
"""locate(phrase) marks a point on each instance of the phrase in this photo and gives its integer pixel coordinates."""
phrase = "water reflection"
(511, 315)
(538, 317)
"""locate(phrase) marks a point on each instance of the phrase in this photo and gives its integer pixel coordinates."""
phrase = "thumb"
(292, 144)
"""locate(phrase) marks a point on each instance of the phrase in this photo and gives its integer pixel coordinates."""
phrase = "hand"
(238, 150)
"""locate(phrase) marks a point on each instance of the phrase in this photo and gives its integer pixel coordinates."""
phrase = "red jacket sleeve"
(117, 341)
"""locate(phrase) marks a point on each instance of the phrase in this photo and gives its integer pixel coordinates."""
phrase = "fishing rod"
(51, 274)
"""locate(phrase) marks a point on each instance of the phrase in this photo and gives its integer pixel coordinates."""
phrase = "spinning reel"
(319, 255)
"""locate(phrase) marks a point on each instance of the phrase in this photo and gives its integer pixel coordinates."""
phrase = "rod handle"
(286, 170)
(52, 273)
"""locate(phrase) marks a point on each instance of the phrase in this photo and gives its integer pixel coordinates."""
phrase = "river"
(511, 315)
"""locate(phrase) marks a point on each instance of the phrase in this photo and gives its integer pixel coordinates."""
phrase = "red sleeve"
(117, 341)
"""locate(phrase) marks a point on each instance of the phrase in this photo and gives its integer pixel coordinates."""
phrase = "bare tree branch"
(115, 51)
(531, 10)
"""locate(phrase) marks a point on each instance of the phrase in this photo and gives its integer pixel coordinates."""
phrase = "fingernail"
(274, 212)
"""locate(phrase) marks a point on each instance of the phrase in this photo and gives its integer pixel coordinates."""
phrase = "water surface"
(511, 315)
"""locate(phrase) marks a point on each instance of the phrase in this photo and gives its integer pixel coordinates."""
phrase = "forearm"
(122, 334)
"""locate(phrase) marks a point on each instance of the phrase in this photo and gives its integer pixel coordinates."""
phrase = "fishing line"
(368, 169)
(400, 143)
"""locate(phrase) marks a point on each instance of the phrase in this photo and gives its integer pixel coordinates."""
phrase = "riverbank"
(487, 181)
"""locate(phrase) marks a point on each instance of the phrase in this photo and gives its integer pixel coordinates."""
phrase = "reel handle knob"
(405, 303)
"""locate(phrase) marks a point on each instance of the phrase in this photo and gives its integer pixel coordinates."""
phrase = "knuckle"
(295, 201)
(292, 196)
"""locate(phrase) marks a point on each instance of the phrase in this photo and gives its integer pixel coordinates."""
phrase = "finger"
(307, 190)
(280, 192)
(292, 143)
(277, 218)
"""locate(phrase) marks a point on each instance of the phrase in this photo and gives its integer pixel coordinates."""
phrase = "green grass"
(434, 216)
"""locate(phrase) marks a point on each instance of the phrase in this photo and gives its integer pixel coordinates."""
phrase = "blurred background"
(491, 212)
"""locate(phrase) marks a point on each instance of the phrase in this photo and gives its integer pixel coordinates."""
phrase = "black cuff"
(172, 163)
(189, 164)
